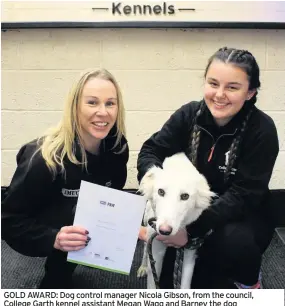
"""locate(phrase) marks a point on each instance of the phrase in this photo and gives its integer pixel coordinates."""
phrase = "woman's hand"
(177, 241)
(71, 238)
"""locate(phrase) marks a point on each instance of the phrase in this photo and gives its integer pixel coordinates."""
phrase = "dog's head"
(178, 193)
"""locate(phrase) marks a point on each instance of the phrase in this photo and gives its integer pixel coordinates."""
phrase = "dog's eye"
(161, 192)
(184, 196)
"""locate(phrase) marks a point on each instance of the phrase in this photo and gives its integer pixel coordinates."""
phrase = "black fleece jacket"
(247, 189)
(37, 206)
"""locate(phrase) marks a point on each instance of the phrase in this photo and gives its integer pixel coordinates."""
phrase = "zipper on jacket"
(214, 142)
(211, 153)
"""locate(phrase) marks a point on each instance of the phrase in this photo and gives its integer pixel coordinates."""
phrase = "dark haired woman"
(235, 146)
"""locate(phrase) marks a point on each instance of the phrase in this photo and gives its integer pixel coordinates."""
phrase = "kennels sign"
(118, 8)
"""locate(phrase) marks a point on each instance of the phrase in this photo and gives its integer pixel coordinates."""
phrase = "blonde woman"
(88, 144)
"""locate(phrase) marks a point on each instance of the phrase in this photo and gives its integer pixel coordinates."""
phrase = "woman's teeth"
(221, 104)
(100, 123)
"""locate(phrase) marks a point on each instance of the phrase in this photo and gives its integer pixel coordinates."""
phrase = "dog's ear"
(204, 198)
(147, 182)
(204, 195)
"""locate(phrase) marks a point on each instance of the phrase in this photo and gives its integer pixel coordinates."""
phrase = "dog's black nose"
(165, 230)
(165, 233)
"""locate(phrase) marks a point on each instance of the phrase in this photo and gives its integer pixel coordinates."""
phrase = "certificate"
(113, 219)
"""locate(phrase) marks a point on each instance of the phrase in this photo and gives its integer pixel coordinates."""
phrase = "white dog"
(176, 196)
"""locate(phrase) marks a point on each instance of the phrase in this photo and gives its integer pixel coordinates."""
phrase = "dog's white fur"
(178, 176)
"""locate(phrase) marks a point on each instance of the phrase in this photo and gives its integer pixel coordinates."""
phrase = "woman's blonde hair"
(58, 142)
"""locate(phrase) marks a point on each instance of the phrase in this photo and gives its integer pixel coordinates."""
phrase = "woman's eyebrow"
(88, 96)
(231, 83)
(235, 83)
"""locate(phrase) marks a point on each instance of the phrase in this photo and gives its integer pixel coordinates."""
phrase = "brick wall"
(158, 70)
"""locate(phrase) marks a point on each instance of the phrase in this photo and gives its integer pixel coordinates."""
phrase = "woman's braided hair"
(195, 136)
(246, 61)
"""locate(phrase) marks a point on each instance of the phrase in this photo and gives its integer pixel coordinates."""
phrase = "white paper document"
(113, 219)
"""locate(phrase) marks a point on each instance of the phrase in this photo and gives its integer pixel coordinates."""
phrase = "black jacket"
(37, 206)
(247, 189)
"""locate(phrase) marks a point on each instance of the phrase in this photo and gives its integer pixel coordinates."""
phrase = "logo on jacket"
(223, 168)
(227, 154)
(70, 193)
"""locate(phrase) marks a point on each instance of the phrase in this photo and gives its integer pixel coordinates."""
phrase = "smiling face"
(175, 202)
(97, 112)
(226, 90)
(178, 193)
